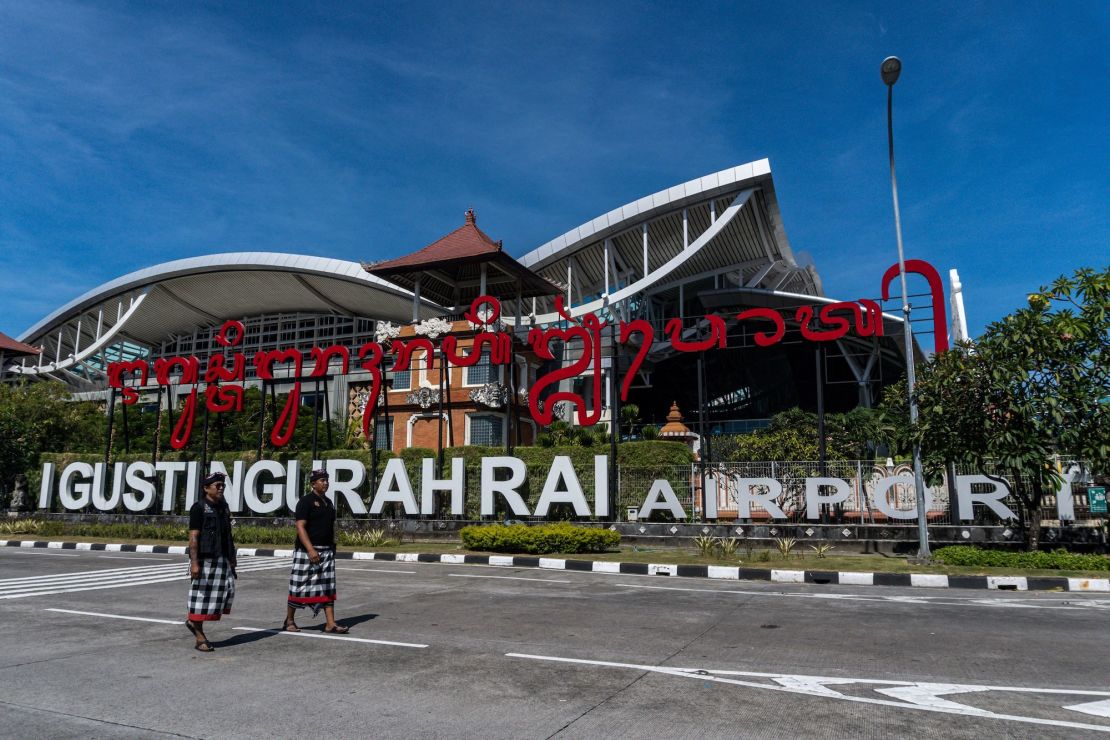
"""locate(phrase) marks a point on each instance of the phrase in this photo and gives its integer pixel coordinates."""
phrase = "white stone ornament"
(424, 397)
(674, 529)
(386, 331)
(809, 532)
(433, 327)
(494, 395)
(704, 530)
(846, 532)
(740, 531)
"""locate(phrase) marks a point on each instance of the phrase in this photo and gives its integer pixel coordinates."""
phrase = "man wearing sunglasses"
(211, 560)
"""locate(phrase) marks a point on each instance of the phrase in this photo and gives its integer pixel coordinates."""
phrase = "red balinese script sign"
(223, 377)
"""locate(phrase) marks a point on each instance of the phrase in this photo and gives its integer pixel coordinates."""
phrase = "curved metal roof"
(148, 305)
(727, 221)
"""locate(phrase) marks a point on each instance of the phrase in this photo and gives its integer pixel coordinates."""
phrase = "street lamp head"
(892, 67)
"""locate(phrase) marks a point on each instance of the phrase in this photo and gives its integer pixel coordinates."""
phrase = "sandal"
(338, 629)
(290, 626)
(204, 646)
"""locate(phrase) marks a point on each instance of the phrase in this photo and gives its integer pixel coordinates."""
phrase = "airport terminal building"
(713, 245)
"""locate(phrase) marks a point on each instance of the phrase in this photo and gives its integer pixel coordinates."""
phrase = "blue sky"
(134, 133)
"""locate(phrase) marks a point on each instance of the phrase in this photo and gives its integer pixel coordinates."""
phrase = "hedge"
(1059, 559)
(540, 539)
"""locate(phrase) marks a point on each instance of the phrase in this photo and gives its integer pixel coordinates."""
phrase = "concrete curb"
(716, 572)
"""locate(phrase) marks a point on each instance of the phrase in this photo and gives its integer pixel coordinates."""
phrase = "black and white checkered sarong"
(211, 594)
(312, 585)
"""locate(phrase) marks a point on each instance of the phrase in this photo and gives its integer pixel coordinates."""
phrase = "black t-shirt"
(213, 521)
(318, 514)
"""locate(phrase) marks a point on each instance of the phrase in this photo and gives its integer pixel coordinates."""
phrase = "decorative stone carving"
(433, 327)
(493, 395)
(386, 331)
(359, 398)
(425, 397)
(21, 500)
(522, 396)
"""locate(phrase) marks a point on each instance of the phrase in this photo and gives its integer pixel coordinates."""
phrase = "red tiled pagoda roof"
(464, 243)
(449, 269)
(11, 346)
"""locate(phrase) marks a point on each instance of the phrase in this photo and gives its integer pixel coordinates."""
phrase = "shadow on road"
(241, 638)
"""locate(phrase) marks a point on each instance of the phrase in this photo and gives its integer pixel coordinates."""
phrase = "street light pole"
(890, 70)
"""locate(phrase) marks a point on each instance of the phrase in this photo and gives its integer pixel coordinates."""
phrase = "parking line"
(377, 570)
(117, 616)
(507, 578)
(330, 637)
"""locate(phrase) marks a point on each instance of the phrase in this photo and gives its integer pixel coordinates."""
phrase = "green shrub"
(284, 537)
(366, 538)
(1059, 559)
(544, 538)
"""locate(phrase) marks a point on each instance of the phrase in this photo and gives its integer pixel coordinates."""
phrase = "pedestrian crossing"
(95, 580)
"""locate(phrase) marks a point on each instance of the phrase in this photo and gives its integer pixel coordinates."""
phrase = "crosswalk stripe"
(114, 578)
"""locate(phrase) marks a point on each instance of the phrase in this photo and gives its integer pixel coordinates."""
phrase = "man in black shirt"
(211, 560)
(312, 580)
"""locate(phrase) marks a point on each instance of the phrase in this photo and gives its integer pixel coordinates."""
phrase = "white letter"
(562, 469)
(46, 491)
(709, 496)
(1065, 505)
(99, 485)
(136, 478)
(883, 487)
(75, 495)
(601, 485)
(745, 498)
(233, 483)
(395, 487)
(348, 487)
(192, 484)
(814, 497)
(506, 488)
(429, 484)
(669, 503)
(250, 492)
(292, 483)
(169, 486)
(992, 499)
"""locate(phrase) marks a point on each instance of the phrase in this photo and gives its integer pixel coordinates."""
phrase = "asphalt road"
(470, 651)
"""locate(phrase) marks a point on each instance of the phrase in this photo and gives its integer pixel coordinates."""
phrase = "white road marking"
(133, 557)
(118, 616)
(377, 570)
(506, 578)
(1097, 708)
(817, 686)
(23, 551)
(1072, 604)
(319, 636)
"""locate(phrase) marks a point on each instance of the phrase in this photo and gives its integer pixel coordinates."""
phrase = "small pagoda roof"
(450, 268)
(15, 348)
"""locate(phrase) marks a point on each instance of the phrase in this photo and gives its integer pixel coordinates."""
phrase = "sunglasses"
(218, 485)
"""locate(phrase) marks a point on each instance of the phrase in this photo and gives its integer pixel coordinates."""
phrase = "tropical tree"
(1036, 384)
(36, 417)
(793, 435)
